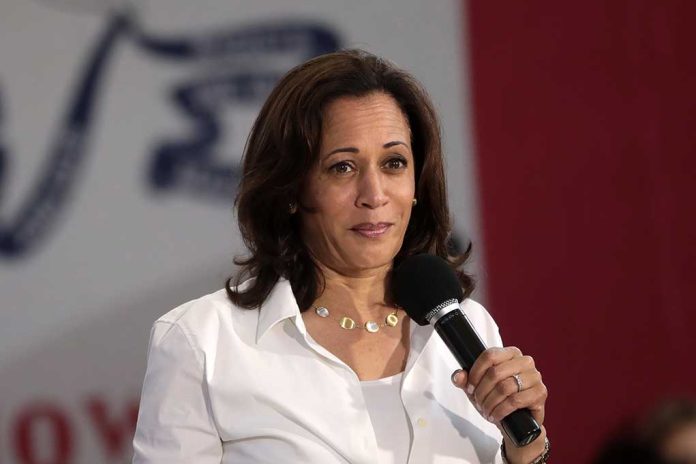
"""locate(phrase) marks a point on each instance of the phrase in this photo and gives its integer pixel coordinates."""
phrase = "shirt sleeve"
(175, 424)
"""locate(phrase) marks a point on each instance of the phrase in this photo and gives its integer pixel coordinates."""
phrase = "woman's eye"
(396, 163)
(341, 168)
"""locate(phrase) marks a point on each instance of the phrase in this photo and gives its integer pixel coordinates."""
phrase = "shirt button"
(422, 423)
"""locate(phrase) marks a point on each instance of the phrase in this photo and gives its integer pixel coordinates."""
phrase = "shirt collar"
(279, 305)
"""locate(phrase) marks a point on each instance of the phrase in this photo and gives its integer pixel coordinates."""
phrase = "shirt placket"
(358, 434)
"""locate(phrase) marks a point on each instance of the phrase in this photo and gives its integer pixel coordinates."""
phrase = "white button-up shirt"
(230, 385)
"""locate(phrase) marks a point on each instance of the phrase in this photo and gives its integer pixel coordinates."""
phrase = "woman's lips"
(371, 230)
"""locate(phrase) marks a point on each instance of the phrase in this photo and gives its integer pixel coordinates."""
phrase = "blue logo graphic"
(185, 164)
(190, 164)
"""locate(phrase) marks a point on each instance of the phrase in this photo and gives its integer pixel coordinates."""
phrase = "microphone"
(428, 289)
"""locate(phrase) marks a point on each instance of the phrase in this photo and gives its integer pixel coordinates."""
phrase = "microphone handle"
(460, 337)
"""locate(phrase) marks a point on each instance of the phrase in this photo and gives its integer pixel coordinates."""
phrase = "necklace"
(349, 324)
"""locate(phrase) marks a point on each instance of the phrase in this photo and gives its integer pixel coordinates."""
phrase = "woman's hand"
(493, 390)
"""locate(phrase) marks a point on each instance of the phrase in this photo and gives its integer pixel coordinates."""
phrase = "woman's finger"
(533, 399)
(488, 358)
(508, 387)
(459, 378)
(501, 374)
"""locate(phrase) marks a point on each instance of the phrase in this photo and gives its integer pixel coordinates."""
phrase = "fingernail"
(456, 376)
(490, 419)
(470, 389)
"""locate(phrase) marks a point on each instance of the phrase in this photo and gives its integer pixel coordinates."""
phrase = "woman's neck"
(361, 294)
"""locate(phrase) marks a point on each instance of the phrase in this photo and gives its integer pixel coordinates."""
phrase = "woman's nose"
(371, 192)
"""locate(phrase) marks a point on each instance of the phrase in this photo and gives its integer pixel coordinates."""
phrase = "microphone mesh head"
(421, 282)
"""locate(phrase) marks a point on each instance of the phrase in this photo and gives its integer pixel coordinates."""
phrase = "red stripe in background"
(585, 115)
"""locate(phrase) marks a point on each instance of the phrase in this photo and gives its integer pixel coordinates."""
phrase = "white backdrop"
(121, 128)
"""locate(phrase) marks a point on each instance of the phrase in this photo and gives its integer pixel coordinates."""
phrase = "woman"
(309, 360)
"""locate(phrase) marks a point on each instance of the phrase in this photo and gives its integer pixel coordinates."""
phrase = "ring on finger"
(518, 381)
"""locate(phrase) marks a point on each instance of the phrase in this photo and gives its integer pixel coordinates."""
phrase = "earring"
(415, 201)
(293, 208)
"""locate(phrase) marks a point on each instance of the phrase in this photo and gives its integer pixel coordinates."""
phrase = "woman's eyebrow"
(355, 150)
(342, 149)
(395, 142)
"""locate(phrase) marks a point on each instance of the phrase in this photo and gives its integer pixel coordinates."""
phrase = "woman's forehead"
(375, 114)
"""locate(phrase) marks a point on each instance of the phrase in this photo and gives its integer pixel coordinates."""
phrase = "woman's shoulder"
(208, 315)
(482, 321)
(474, 309)
(199, 308)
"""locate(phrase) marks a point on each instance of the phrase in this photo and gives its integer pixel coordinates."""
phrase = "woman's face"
(362, 187)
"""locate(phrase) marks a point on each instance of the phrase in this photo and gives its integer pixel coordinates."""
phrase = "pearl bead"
(371, 326)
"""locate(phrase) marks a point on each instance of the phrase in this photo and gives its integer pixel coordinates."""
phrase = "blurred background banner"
(585, 127)
(122, 125)
(569, 138)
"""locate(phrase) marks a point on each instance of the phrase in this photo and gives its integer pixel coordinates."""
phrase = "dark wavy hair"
(282, 148)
